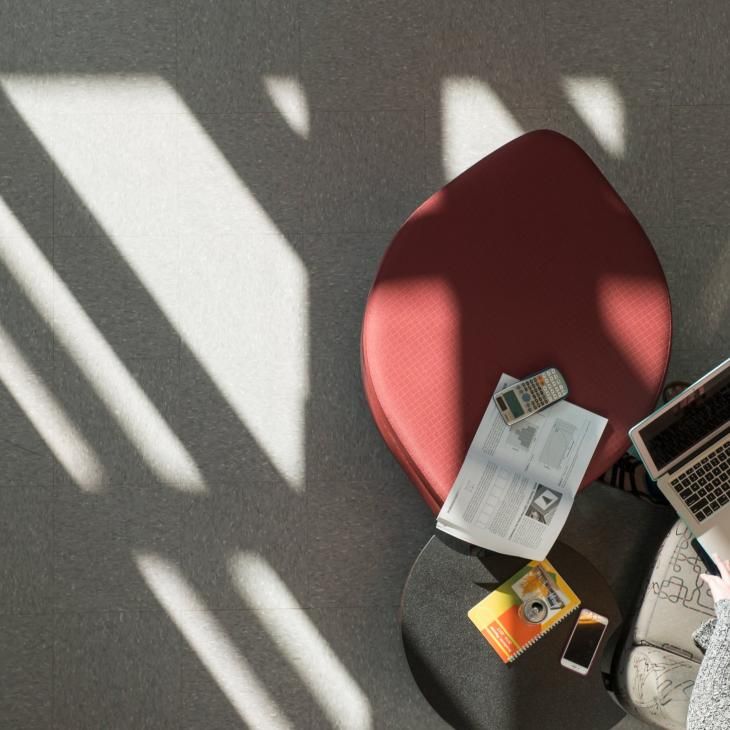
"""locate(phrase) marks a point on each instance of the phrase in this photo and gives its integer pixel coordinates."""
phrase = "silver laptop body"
(685, 447)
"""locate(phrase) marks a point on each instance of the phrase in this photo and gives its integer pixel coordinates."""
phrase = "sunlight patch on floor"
(474, 122)
(208, 639)
(48, 417)
(598, 103)
(337, 693)
(126, 402)
(287, 95)
(209, 255)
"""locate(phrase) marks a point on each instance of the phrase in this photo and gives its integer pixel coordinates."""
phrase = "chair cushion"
(676, 601)
(527, 259)
(659, 661)
(655, 686)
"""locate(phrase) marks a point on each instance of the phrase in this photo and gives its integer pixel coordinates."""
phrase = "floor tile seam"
(165, 490)
(343, 606)
(66, 612)
(369, 230)
(52, 567)
(37, 489)
(161, 358)
(25, 613)
(206, 611)
(307, 544)
(701, 105)
(671, 49)
(247, 111)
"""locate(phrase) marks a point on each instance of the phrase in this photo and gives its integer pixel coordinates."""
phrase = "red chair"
(529, 258)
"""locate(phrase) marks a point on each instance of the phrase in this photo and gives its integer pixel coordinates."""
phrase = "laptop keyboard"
(705, 487)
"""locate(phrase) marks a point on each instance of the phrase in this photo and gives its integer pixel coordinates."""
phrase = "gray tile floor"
(194, 196)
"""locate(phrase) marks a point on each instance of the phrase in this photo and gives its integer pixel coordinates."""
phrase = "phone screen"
(585, 640)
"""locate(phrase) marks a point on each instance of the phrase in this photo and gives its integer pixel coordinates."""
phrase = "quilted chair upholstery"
(659, 661)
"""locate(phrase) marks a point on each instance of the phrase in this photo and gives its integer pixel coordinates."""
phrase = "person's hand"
(719, 585)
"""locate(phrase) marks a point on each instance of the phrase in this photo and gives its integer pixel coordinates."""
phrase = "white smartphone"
(582, 646)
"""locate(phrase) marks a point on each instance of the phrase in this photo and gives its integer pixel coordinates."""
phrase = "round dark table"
(459, 672)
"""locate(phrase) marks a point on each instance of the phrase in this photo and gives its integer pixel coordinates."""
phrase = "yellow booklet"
(523, 609)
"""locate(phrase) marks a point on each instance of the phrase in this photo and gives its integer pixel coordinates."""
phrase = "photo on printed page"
(543, 505)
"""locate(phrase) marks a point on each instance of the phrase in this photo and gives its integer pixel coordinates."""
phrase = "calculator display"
(513, 403)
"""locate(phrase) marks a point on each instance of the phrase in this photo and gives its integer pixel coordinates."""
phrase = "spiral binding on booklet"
(523, 609)
(539, 636)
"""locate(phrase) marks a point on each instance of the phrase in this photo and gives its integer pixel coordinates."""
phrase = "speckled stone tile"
(225, 48)
(271, 659)
(26, 458)
(360, 550)
(244, 518)
(96, 540)
(26, 671)
(700, 42)
(26, 558)
(501, 44)
(378, 56)
(623, 43)
(116, 669)
(224, 448)
(24, 25)
(129, 37)
(367, 642)
(125, 421)
(28, 329)
(701, 164)
(123, 310)
(26, 171)
(225, 184)
(121, 161)
(366, 170)
(343, 443)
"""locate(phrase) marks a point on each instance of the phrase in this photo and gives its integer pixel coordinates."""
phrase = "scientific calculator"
(530, 395)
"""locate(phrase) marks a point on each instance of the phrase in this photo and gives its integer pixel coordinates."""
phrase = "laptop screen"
(691, 419)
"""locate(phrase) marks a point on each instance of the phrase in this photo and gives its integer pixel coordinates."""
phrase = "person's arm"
(703, 633)
(709, 705)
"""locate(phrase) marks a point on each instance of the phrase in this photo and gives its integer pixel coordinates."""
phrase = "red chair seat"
(527, 259)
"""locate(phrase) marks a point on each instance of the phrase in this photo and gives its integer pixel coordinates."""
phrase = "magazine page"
(516, 486)
(553, 447)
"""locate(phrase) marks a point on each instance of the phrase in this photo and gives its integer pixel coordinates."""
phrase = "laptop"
(685, 447)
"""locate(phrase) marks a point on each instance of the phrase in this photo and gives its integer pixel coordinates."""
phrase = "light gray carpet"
(200, 525)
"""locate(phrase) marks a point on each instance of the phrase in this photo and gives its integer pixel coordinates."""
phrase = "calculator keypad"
(539, 391)
(532, 395)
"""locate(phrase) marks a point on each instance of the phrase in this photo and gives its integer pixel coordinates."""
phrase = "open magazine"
(516, 486)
